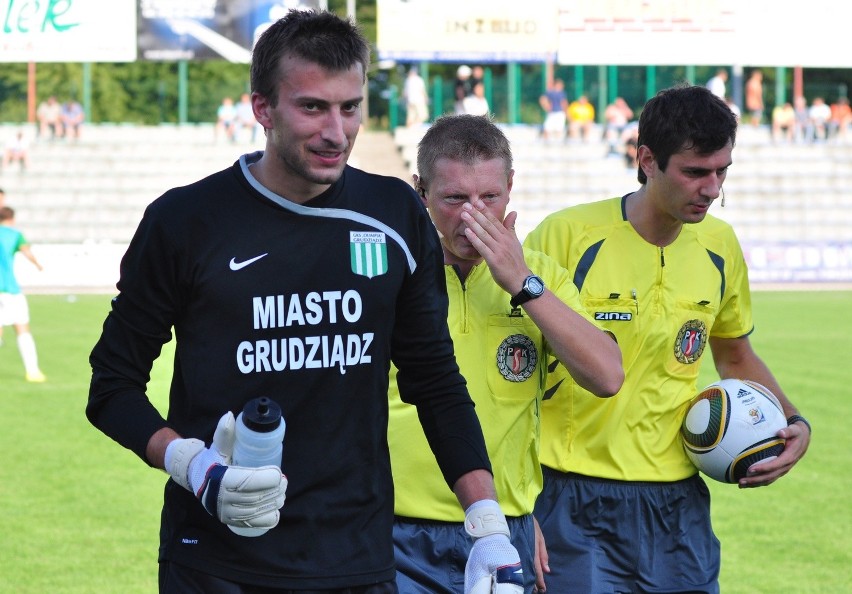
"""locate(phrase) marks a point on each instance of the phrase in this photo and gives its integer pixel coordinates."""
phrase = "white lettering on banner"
(470, 31)
(26, 16)
(282, 311)
(311, 352)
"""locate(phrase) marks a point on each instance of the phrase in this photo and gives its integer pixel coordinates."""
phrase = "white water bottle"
(259, 442)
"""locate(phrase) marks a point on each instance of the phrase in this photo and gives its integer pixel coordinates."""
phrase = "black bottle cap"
(262, 415)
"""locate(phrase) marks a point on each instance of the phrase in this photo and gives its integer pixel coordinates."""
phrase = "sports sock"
(27, 348)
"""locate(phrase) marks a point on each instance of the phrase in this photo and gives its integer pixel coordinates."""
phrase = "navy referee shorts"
(431, 556)
(617, 537)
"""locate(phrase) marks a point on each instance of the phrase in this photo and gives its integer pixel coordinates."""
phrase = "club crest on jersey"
(517, 358)
(690, 341)
(368, 252)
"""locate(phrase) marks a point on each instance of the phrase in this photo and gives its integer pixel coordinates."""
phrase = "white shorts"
(554, 121)
(13, 309)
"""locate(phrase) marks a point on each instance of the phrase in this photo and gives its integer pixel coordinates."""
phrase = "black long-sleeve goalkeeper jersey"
(305, 304)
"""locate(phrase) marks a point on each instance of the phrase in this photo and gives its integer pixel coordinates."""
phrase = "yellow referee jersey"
(662, 304)
(502, 355)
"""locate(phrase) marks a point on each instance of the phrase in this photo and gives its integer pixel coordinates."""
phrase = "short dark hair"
(462, 137)
(321, 37)
(684, 117)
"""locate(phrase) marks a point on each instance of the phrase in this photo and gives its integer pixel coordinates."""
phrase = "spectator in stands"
(819, 113)
(462, 87)
(783, 122)
(804, 131)
(226, 119)
(245, 118)
(477, 75)
(616, 116)
(13, 304)
(476, 103)
(581, 118)
(630, 139)
(717, 83)
(416, 98)
(554, 102)
(841, 118)
(754, 97)
(17, 150)
(49, 114)
(735, 109)
(72, 116)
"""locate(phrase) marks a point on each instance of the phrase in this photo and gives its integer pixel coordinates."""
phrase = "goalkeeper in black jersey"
(293, 276)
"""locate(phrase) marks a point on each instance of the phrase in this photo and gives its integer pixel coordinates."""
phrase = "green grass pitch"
(79, 514)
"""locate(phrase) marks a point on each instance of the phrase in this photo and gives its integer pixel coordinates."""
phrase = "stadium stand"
(96, 189)
(774, 191)
(86, 197)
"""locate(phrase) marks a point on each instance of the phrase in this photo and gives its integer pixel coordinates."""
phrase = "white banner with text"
(67, 31)
(471, 30)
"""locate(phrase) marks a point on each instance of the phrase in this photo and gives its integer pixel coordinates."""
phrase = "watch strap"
(525, 294)
(520, 299)
(799, 418)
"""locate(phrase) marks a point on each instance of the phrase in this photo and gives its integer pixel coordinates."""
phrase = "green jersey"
(11, 241)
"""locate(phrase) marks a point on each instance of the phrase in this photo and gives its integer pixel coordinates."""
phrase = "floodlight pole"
(183, 90)
(31, 92)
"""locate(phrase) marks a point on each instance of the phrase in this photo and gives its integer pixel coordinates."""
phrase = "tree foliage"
(143, 92)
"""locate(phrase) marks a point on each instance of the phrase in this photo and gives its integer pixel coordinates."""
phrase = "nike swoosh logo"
(234, 265)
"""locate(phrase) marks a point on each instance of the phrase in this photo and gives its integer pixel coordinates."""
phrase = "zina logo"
(615, 316)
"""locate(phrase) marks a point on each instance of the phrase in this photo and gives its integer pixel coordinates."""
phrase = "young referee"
(623, 509)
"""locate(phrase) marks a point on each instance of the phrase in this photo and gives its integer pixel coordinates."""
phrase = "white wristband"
(484, 518)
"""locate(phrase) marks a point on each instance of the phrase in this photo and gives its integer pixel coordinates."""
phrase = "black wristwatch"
(532, 289)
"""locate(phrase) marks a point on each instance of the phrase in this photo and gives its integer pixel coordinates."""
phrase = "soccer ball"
(730, 425)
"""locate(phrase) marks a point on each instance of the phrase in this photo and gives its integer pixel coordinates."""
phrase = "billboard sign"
(701, 33)
(208, 29)
(799, 261)
(67, 31)
(471, 31)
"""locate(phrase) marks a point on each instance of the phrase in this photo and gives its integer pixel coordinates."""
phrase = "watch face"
(535, 285)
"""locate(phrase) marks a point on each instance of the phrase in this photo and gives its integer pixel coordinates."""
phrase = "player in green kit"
(14, 310)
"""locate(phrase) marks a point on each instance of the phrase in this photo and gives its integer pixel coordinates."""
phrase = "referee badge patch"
(368, 252)
(690, 341)
(516, 358)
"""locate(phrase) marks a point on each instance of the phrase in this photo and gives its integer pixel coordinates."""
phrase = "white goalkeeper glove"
(493, 566)
(236, 495)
